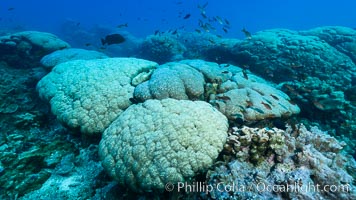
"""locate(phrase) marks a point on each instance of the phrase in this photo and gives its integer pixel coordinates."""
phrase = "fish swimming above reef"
(219, 20)
(186, 16)
(125, 25)
(112, 39)
(247, 33)
(202, 9)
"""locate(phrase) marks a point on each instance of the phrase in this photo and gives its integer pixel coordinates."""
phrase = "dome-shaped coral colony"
(162, 140)
(169, 122)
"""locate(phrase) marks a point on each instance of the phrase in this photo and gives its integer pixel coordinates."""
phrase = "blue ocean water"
(144, 17)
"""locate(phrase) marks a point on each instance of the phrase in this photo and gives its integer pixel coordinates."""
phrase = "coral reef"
(239, 95)
(89, 94)
(342, 38)
(25, 49)
(316, 68)
(292, 164)
(160, 142)
(161, 48)
(251, 100)
(31, 141)
(74, 177)
(146, 145)
(172, 80)
(284, 55)
(60, 56)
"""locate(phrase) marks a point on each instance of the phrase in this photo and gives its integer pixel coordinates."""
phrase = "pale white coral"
(252, 99)
(65, 55)
(90, 94)
(158, 142)
(25, 49)
(47, 41)
(172, 80)
(234, 92)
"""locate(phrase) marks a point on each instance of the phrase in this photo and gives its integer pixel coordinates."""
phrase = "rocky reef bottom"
(41, 159)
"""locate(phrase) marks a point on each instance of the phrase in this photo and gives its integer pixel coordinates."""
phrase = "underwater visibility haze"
(177, 99)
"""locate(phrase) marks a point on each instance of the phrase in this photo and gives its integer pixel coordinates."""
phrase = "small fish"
(219, 20)
(225, 98)
(210, 27)
(318, 105)
(270, 116)
(156, 32)
(225, 30)
(133, 100)
(274, 97)
(269, 102)
(10, 9)
(266, 105)
(78, 24)
(186, 16)
(197, 30)
(244, 73)
(211, 41)
(203, 15)
(179, 2)
(112, 39)
(249, 103)
(237, 115)
(202, 9)
(205, 28)
(247, 34)
(242, 109)
(203, 6)
(289, 87)
(227, 21)
(225, 72)
(122, 25)
(258, 110)
(87, 44)
(174, 32)
(217, 106)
